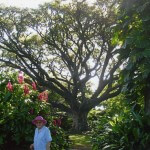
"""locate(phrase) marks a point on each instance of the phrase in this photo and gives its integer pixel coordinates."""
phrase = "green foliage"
(17, 110)
(124, 126)
(133, 31)
(121, 127)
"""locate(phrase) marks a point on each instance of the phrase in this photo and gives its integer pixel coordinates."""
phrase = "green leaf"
(7, 96)
(136, 133)
(146, 53)
(1, 140)
(146, 18)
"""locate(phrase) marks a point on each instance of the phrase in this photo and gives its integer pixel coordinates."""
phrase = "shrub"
(121, 129)
(20, 103)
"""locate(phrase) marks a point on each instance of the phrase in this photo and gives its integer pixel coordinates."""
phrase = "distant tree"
(62, 48)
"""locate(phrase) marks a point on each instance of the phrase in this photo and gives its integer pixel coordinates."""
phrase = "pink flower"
(57, 122)
(54, 122)
(43, 96)
(20, 77)
(9, 86)
(26, 89)
(34, 86)
(40, 96)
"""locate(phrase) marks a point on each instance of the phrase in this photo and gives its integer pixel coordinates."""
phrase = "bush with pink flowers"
(20, 103)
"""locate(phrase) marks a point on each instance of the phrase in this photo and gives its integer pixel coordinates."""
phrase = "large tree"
(62, 48)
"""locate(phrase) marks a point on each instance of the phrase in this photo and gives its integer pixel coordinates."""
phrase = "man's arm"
(48, 146)
(32, 146)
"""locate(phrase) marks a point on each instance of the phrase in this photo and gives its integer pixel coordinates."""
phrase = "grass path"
(80, 142)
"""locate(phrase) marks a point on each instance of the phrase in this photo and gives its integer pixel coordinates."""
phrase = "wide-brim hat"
(39, 118)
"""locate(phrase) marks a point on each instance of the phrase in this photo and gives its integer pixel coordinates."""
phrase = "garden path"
(80, 142)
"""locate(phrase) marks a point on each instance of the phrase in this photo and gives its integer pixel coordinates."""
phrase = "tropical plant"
(122, 127)
(20, 103)
(133, 31)
(130, 129)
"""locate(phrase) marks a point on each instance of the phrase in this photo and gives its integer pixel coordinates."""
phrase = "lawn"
(80, 141)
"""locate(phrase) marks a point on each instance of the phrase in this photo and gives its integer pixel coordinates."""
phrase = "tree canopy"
(62, 48)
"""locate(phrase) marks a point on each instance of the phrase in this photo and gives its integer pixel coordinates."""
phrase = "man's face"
(39, 124)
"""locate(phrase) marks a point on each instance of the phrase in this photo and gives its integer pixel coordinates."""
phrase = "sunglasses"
(39, 122)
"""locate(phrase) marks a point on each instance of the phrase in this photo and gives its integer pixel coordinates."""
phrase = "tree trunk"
(79, 121)
(147, 100)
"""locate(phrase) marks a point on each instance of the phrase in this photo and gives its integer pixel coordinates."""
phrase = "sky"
(23, 3)
(28, 3)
